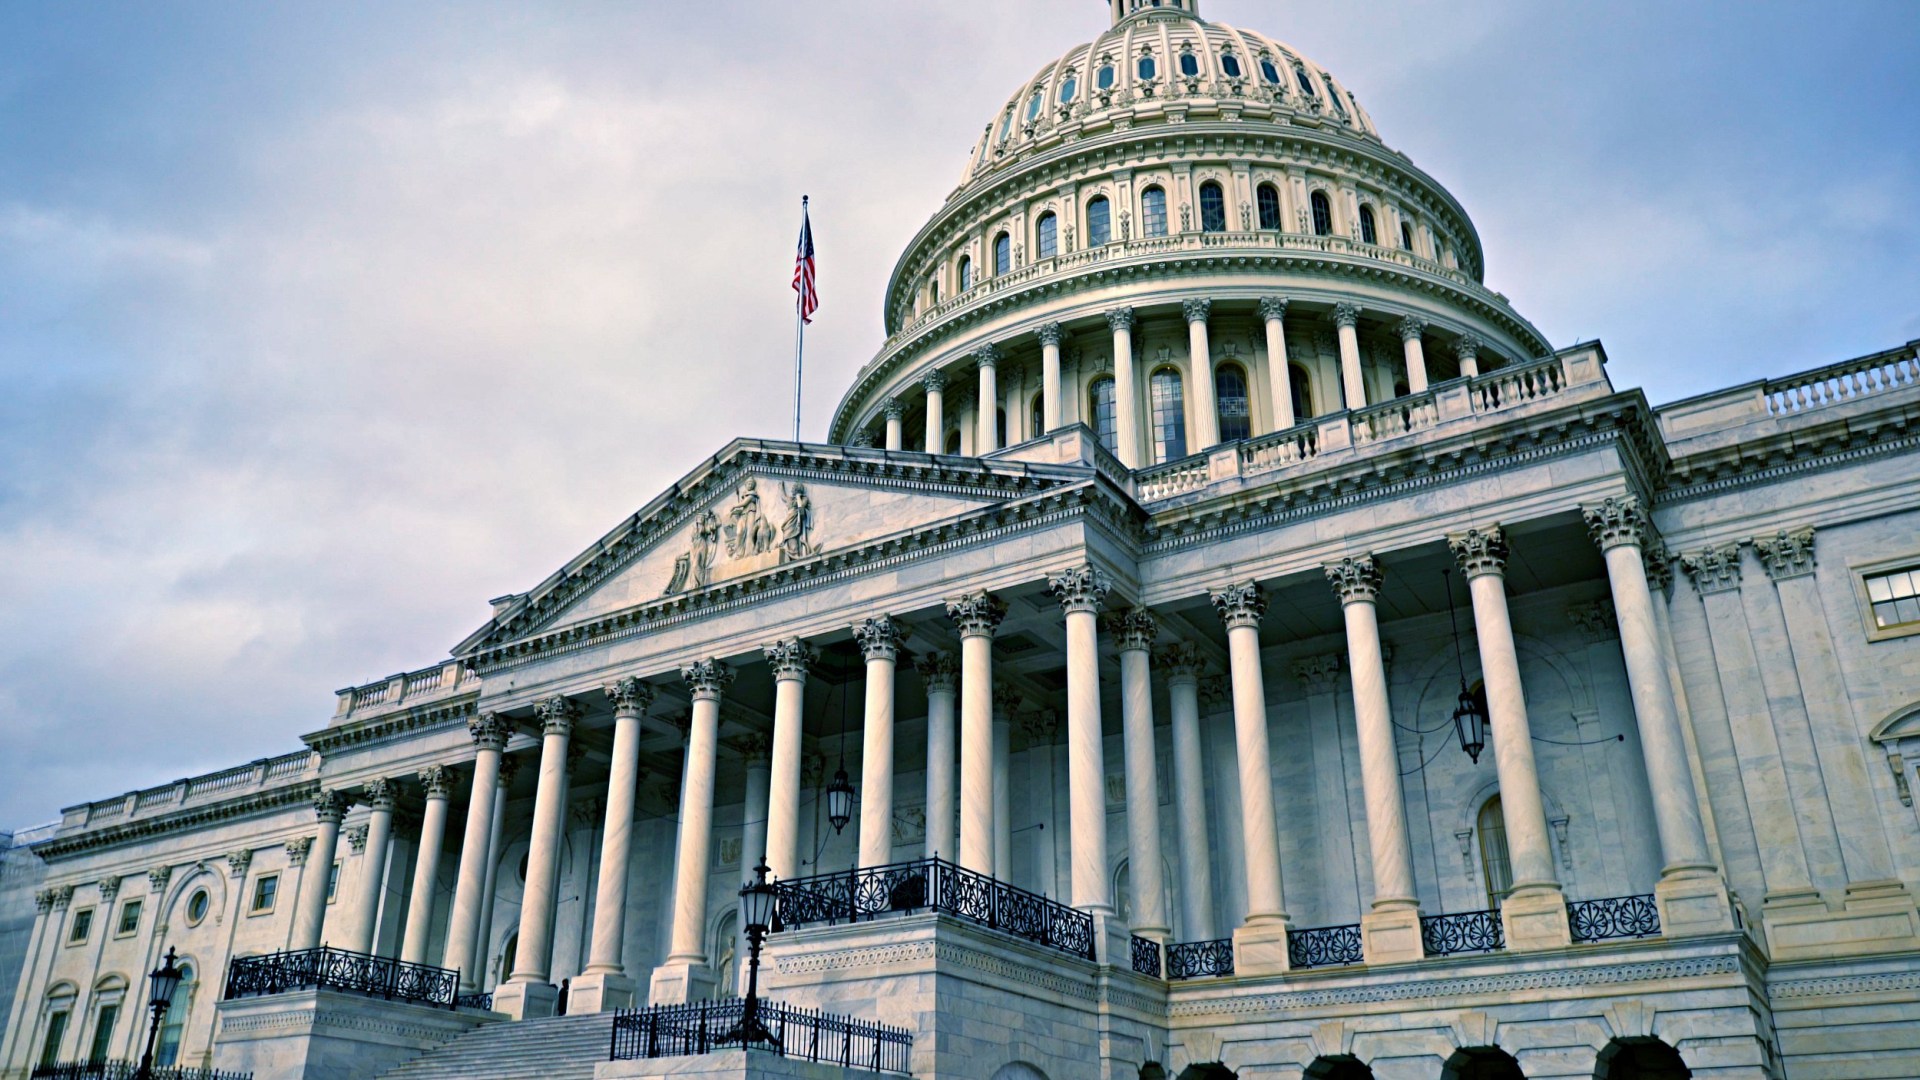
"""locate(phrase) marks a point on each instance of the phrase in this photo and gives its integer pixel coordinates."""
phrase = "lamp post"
(161, 983)
(758, 910)
(1470, 716)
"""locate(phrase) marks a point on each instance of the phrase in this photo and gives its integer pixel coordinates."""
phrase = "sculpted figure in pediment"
(748, 531)
(798, 526)
(694, 569)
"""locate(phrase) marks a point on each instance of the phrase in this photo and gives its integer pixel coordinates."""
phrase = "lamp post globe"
(161, 984)
(840, 800)
(758, 914)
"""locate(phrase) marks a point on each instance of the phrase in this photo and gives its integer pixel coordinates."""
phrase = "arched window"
(1153, 212)
(933, 290)
(1648, 1059)
(966, 273)
(1268, 197)
(1002, 254)
(1302, 388)
(1169, 402)
(1037, 417)
(1496, 867)
(953, 441)
(1269, 70)
(1406, 236)
(1368, 234)
(1099, 221)
(1333, 98)
(1033, 105)
(1322, 214)
(1146, 69)
(1299, 76)
(1189, 65)
(1230, 64)
(1100, 408)
(1068, 87)
(1213, 208)
(1000, 427)
(167, 1050)
(105, 1018)
(1006, 127)
(1230, 392)
(1048, 232)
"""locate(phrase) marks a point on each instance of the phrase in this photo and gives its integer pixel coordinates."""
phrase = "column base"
(1873, 917)
(600, 992)
(1535, 917)
(1391, 935)
(1260, 948)
(525, 1000)
(679, 983)
(1694, 902)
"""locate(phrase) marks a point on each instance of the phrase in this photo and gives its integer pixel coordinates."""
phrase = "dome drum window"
(1033, 105)
(1002, 254)
(1153, 212)
(1099, 221)
(1270, 71)
(1047, 237)
(1189, 64)
(1230, 66)
(1213, 208)
(1146, 69)
(966, 273)
(1368, 234)
(1268, 198)
(1069, 86)
(1322, 214)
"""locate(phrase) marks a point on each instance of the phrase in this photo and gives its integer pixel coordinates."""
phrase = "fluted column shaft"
(707, 680)
(1242, 606)
(1410, 330)
(378, 795)
(977, 615)
(496, 840)
(1126, 404)
(1206, 414)
(426, 865)
(789, 660)
(1346, 320)
(880, 646)
(936, 385)
(896, 425)
(753, 832)
(987, 440)
(310, 915)
(1279, 379)
(630, 698)
(1190, 795)
(941, 676)
(1080, 590)
(490, 732)
(1050, 401)
(1357, 583)
(1003, 784)
(533, 956)
(1134, 632)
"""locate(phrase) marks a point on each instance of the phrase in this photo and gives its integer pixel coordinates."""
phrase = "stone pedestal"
(727, 1065)
(1535, 917)
(326, 1035)
(1260, 948)
(1391, 935)
(1692, 904)
(1872, 917)
(525, 1000)
(676, 984)
(600, 992)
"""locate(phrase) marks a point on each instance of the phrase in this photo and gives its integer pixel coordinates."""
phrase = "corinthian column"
(1133, 631)
(1346, 319)
(1410, 329)
(1126, 406)
(879, 642)
(490, 732)
(1206, 416)
(684, 976)
(483, 933)
(1467, 349)
(1080, 590)
(331, 808)
(1390, 933)
(1273, 311)
(977, 615)
(1005, 701)
(1181, 661)
(1260, 944)
(790, 661)
(527, 993)
(936, 384)
(988, 438)
(896, 413)
(1535, 912)
(604, 984)
(1050, 335)
(942, 677)
(379, 796)
(435, 780)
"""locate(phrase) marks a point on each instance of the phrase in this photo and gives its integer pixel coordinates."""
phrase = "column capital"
(356, 838)
(557, 714)
(1659, 560)
(509, 765)
(1180, 660)
(934, 381)
(879, 638)
(1356, 579)
(707, 678)
(330, 804)
(1618, 520)
(43, 900)
(1344, 314)
(1467, 346)
(1040, 727)
(490, 731)
(436, 780)
(1006, 700)
(895, 409)
(977, 614)
(1133, 630)
(1196, 311)
(158, 877)
(1411, 327)
(298, 849)
(109, 888)
(1594, 618)
(1050, 334)
(1215, 690)
(1241, 604)
(237, 863)
(63, 894)
(1318, 674)
(1480, 550)
(752, 747)
(1714, 569)
(631, 696)
(1273, 307)
(1119, 319)
(1079, 588)
(789, 659)
(986, 356)
(940, 671)
(1787, 553)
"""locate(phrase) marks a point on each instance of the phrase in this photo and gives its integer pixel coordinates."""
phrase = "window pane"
(1067, 89)
(1153, 212)
(1493, 852)
(56, 1033)
(1880, 588)
(1272, 72)
(1269, 199)
(1306, 84)
(1105, 77)
(1169, 417)
(130, 917)
(1147, 69)
(1231, 65)
(1230, 389)
(1367, 232)
(1406, 236)
(1099, 222)
(1103, 415)
(1033, 105)
(1906, 610)
(1049, 237)
(1213, 208)
(103, 1033)
(1002, 254)
(966, 273)
(1189, 65)
(1322, 215)
(1006, 127)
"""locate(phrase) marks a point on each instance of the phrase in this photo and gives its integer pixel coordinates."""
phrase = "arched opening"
(166, 1051)
(1496, 867)
(1002, 254)
(1018, 1070)
(1406, 236)
(1153, 212)
(726, 950)
(1268, 198)
(108, 995)
(1230, 394)
(1037, 416)
(508, 955)
(1047, 237)
(1100, 408)
(1482, 1063)
(1099, 221)
(1368, 234)
(1302, 389)
(1641, 1059)
(966, 273)
(933, 290)
(1000, 427)
(1340, 1067)
(953, 441)
(59, 1013)
(1168, 398)
(1322, 214)
(1213, 208)
(1211, 1070)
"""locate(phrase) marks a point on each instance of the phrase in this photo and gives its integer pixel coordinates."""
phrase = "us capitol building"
(1248, 647)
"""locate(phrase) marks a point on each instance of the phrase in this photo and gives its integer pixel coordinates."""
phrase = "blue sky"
(322, 324)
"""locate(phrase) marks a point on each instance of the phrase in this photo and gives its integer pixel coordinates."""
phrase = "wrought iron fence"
(473, 1001)
(1196, 958)
(1146, 956)
(1615, 917)
(126, 1070)
(936, 885)
(1462, 932)
(705, 1026)
(1324, 946)
(338, 969)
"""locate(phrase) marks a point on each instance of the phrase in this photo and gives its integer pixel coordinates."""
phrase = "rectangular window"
(102, 1043)
(265, 888)
(1895, 598)
(56, 1032)
(82, 926)
(129, 917)
(333, 883)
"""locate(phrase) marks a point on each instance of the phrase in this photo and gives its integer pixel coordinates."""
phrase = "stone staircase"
(558, 1048)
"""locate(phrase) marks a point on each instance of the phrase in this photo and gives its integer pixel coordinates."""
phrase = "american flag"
(803, 281)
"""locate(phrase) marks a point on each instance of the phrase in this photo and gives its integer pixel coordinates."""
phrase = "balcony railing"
(1324, 946)
(127, 1070)
(935, 885)
(1835, 383)
(705, 1026)
(1462, 932)
(1194, 959)
(1615, 917)
(1146, 956)
(338, 969)
(483, 1002)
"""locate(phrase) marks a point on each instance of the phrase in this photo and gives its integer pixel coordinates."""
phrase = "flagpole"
(799, 337)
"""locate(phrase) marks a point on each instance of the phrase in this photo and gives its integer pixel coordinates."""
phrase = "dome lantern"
(1123, 8)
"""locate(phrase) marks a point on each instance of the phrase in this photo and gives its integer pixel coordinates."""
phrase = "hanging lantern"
(1470, 723)
(840, 800)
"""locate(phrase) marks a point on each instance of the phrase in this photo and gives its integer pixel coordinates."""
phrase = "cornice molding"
(452, 712)
(1760, 461)
(252, 804)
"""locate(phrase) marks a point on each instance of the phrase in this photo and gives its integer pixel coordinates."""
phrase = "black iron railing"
(936, 885)
(1463, 932)
(1146, 956)
(1324, 946)
(1615, 917)
(338, 969)
(126, 1070)
(705, 1026)
(473, 1001)
(1197, 958)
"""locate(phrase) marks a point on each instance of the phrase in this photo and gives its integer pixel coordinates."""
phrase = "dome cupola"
(1121, 9)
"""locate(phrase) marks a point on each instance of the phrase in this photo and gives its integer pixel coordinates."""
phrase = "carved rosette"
(1120, 319)
(707, 678)
(986, 356)
(977, 614)
(379, 794)
(158, 877)
(879, 638)
(1273, 307)
(940, 671)
(1466, 347)
(356, 838)
(1240, 605)
(490, 731)
(1318, 674)
(330, 805)
(1347, 315)
(1617, 521)
(1786, 554)
(1714, 569)
(631, 697)
(1196, 311)
(934, 381)
(237, 862)
(1480, 551)
(1133, 630)
(1180, 660)
(789, 659)
(1355, 579)
(895, 409)
(436, 780)
(109, 888)
(1079, 588)
(298, 848)
(1050, 334)
(557, 714)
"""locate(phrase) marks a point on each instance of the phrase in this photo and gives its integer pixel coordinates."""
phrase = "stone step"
(558, 1048)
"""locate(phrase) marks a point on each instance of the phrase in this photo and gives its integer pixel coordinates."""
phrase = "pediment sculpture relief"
(747, 540)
